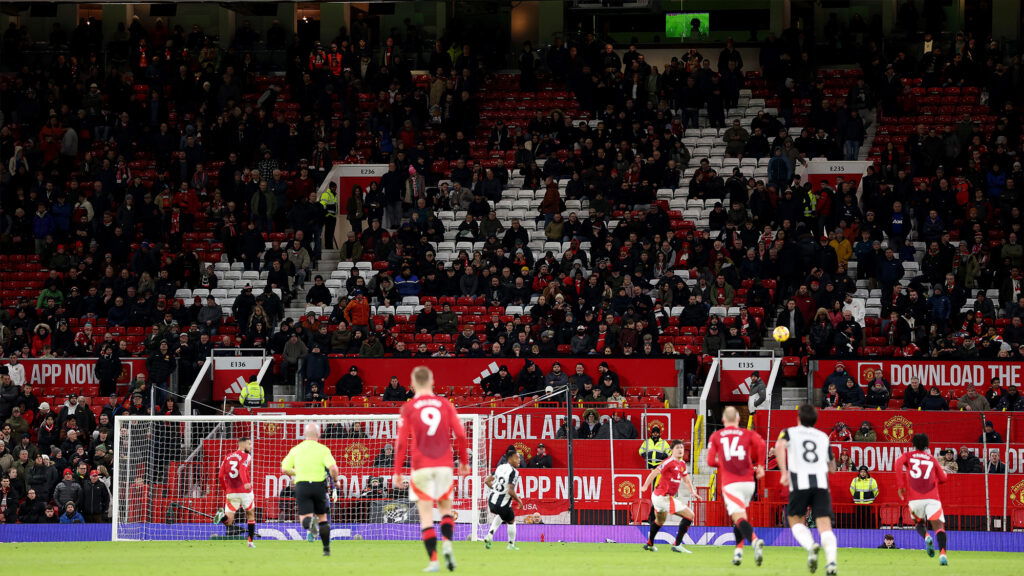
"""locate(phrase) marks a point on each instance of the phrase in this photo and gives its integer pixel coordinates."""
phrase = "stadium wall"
(967, 541)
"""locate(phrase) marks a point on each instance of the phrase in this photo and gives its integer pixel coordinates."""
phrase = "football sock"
(511, 528)
(921, 529)
(940, 535)
(448, 527)
(325, 535)
(738, 535)
(684, 525)
(252, 530)
(307, 522)
(494, 525)
(429, 536)
(803, 536)
(654, 532)
(828, 542)
(746, 530)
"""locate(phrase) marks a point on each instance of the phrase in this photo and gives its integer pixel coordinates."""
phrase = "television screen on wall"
(687, 24)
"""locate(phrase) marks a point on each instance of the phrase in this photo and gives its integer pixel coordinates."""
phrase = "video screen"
(687, 24)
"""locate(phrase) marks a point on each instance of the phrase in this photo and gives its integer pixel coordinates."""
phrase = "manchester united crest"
(525, 450)
(655, 423)
(866, 371)
(898, 429)
(626, 490)
(356, 454)
(1017, 493)
(271, 429)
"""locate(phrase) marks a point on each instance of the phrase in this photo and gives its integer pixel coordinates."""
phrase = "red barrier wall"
(900, 426)
(658, 372)
(535, 423)
(943, 373)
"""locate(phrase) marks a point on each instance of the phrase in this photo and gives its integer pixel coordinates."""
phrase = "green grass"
(217, 558)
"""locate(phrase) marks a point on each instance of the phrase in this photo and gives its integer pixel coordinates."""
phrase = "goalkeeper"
(309, 464)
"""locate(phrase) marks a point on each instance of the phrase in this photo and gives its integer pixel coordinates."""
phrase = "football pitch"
(217, 558)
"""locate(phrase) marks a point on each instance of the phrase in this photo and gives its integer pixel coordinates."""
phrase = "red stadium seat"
(889, 516)
(1017, 519)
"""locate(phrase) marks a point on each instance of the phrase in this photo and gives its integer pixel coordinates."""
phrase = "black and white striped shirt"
(807, 457)
(504, 477)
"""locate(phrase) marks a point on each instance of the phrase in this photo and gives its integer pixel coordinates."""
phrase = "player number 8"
(432, 418)
(810, 452)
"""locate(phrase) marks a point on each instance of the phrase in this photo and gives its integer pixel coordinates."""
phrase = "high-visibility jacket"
(811, 205)
(864, 490)
(252, 395)
(654, 451)
(330, 201)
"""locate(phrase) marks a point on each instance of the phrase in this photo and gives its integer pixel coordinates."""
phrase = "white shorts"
(431, 484)
(670, 504)
(928, 509)
(237, 502)
(737, 496)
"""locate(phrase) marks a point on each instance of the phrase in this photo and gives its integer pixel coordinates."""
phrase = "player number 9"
(432, 418)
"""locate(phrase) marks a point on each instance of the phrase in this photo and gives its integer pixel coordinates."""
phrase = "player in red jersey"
(737, 453)
(918, 475)
(432, 422)
(234, 475)
(665, 499)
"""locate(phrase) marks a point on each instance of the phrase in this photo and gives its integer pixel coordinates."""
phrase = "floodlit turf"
(548, 559)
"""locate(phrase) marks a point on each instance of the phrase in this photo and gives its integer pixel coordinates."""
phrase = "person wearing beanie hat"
(71, 514)
(604, 371)
(499, 384)
(68, 490)
(350, 384)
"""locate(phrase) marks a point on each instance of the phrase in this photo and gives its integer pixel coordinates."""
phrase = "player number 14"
(731, 448)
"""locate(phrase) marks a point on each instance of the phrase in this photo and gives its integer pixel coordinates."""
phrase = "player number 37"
(916, 470)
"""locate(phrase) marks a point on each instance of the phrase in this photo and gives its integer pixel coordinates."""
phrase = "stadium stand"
(660, 211)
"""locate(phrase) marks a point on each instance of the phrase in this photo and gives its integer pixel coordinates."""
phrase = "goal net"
(166, 485)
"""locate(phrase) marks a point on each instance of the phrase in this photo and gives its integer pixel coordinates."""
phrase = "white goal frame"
(475, 423)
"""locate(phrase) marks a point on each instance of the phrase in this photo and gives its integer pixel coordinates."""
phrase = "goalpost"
(166, 487)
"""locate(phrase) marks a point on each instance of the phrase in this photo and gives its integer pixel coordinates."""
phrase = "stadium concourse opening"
(230, 229)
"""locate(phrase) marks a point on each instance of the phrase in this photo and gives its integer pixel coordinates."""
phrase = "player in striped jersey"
(503, 485)
(665, 498)
(805, 460)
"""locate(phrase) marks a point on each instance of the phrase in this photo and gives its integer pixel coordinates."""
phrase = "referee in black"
(308, 463)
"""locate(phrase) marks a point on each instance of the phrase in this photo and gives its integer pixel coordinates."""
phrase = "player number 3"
(234, 469)
(432, 418)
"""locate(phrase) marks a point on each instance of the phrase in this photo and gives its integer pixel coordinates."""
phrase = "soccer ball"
(781, 333)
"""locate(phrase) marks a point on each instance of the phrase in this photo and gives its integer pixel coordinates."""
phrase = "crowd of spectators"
(113, 175)
(106, 172)
(55, 462)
